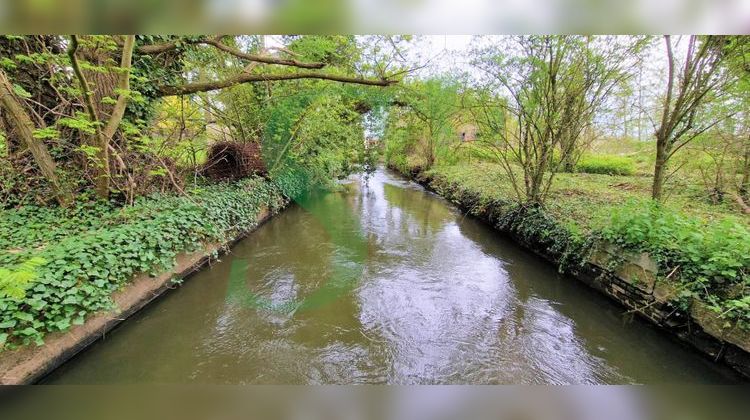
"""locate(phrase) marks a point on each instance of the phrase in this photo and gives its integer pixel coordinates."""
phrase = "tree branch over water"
(246, 76)
(250, 78)
(215, 42)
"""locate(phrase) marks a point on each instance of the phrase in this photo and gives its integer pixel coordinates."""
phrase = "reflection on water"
(383, 283)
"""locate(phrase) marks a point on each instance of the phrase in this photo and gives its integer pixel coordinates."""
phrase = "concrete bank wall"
(29, 364)
(629, 279)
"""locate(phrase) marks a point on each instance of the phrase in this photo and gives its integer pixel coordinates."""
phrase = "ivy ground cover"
(58, 265)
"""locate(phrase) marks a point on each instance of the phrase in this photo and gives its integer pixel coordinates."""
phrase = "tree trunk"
(104, 86)
(11, 137)
(745, 183)
(659, 169)
(24, 127)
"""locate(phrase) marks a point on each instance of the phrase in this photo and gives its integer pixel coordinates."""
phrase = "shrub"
(606, 164)
(711, 260)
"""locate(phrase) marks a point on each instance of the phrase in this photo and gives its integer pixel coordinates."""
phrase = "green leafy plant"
(13, 283)
(606, 164)
(93, 249)
(711, 260)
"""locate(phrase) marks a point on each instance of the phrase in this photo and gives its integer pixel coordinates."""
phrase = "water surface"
(384, 282)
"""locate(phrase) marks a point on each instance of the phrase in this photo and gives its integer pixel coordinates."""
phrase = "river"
(383, 282)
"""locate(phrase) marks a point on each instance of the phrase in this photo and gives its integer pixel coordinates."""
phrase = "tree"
(539, 94)
(739, 64)
(691, 84)
(25, 129)
(84, 105)
(103, 136)
(256, 71)
(433, 102)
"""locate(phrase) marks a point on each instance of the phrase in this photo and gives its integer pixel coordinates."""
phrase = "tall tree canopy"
(84, 106)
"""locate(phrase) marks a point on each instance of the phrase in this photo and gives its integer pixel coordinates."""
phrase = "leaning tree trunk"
(24, 128)
(34, 78)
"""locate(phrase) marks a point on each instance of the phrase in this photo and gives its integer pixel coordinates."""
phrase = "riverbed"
(384, 282)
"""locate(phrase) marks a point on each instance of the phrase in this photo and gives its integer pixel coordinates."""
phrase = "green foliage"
(605, 164)
(13, 283)
(165, 67)
(46, 133)
(336, 50)
(709, 260)
(93, 249)
(314, 134)
(80, 121)
(422, 132)
(20, 91)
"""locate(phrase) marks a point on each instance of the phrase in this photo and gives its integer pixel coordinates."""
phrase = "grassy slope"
(582, 200)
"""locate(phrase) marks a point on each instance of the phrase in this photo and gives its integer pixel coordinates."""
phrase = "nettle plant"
(68, 273)
(709, 260)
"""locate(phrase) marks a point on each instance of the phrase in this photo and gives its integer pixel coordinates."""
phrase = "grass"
(606, 164)
(640, 152)
(586, 200)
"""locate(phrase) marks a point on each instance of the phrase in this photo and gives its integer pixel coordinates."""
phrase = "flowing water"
(383, 282)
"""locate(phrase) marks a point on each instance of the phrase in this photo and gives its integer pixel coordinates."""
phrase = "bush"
(100, 248)
(710, 261)
(606, 164)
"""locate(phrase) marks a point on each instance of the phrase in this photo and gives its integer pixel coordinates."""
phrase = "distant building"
(467, 132)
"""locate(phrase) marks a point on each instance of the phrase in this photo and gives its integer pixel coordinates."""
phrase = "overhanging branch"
(262, 58)
(154, 49)
(241, 78)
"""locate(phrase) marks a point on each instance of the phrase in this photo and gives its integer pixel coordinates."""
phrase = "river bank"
(121, 260)
(383, 282)
(632, 279)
